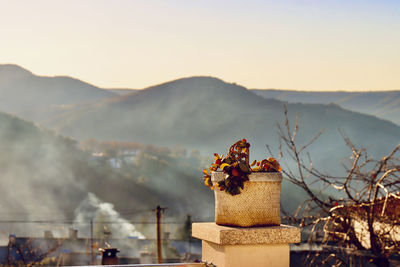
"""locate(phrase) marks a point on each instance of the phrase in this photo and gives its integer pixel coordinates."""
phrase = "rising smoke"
(103, 213)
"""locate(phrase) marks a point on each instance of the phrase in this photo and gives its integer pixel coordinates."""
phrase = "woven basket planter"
(257, 205)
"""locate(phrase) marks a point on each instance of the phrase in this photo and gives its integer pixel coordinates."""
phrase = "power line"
(122, 212)
(84, 223)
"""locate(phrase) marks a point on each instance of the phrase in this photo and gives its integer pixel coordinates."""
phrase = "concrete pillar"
(237, 247)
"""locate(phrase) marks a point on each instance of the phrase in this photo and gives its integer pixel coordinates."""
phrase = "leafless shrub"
(354, 214)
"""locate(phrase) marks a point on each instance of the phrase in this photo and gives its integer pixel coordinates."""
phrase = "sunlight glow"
(309, 45)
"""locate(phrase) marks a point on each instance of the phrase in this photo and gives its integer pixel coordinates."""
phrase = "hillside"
(44, 174)
(384, 105)
(208, 114)
(39, 98)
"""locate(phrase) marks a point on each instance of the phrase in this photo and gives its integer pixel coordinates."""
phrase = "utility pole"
(159, 212)
(91, 242)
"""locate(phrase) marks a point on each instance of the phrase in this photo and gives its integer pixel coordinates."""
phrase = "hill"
(45, 176)
(201, 113)
(384, 105)
(208, 114)
(39, 98)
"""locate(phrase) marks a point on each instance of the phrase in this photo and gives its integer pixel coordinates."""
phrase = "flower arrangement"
(237, 168)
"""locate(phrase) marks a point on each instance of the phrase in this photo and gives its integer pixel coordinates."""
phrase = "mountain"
(384, 105)
(39, 98)
(190, 110)
(208, 114)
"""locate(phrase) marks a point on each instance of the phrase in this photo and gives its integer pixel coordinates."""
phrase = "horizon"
(303, 45)
(200, 76)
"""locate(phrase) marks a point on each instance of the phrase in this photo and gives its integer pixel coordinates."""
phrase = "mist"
(178, 124)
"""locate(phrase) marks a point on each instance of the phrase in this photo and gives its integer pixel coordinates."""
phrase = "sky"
(310, 45)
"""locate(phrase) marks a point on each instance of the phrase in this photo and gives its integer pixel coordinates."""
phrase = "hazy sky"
(303, 44)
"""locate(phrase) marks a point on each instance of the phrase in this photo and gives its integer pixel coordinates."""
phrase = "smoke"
(37, 181)
(103, 214)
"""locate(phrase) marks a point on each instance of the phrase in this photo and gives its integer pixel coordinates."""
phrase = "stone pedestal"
(240, 247)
